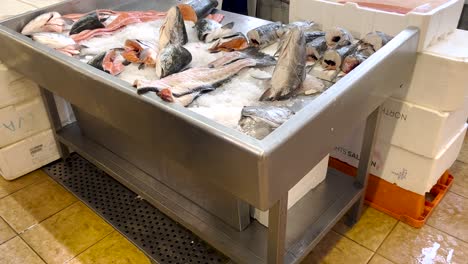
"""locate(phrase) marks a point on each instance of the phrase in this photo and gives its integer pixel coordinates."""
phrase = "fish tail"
(228, 26)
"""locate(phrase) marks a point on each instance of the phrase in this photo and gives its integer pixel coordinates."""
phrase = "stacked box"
(316, 176)
(359, 21)
(422, 127)
(26, 140)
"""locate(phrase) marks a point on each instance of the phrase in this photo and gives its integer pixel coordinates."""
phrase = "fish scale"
(188, 81)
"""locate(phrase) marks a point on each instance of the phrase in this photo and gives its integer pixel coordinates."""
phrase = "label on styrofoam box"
(307, 183)
(361, 20)
(14, 7)
(28, 155)
(440, 79)
(22, 120)
(418, 129)
(404, 168)
(15, 88)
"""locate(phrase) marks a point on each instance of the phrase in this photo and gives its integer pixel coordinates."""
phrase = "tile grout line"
(450, 190)
(29, 4)
(381, 257)
(427, 223)
(14, 231)
(104, 237)
(22, 188)
(34, 225)
(21, 233)
(29, 246)
(357, 242)
(4, 242)
(462, 240)
(383, 241)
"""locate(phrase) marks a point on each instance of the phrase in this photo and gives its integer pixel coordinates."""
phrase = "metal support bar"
(277, 219)
(54, 118)
(364, 165)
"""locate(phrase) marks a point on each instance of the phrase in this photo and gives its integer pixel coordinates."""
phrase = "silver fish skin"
(47, 22)
(352, 61)
(209, 30)
(265, 35)
(289, 72)
(305, 26)
(263, 60)
(173, 30)
(333, 59)
(172, 59)
(194, 79)
(311, 35)
(89, 21)
(53, 40)
(202, 7)
(260, 121)
(376, 39)
(316, 48)
(338, 37)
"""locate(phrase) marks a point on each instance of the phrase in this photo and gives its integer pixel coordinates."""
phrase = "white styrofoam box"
(13, 7)
(65, 111)
(440, 79)
(22, 120)
(419, 129)
(28, 155)
(307, 183)
(14, 87)
(361, 20)
(404, 168)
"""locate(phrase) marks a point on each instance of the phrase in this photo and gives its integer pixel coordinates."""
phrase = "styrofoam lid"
(399, 6)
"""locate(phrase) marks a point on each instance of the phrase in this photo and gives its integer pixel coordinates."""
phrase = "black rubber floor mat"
(162, 239)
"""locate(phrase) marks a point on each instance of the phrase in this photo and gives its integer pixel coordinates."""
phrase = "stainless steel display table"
(171, 156)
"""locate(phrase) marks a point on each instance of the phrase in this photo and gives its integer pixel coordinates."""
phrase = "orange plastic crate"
(406, 206)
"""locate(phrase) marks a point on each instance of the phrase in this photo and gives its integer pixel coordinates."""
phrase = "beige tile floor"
(40, 222)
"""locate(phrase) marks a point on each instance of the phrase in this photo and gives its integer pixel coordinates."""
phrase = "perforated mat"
(162, 239)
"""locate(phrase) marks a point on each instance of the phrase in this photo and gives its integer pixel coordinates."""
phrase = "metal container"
(143, 142)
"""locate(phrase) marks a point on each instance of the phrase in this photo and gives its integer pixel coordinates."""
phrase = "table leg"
(54, 118)
(277, 218)
(364, 164)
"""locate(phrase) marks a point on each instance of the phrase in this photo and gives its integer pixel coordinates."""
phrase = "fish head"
(172, 59)
(173, 30)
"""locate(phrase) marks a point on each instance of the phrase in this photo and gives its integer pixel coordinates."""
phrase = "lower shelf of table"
(308, 220)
